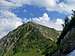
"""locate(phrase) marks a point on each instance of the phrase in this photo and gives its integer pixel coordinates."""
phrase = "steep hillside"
(66, 41)
(29, 39)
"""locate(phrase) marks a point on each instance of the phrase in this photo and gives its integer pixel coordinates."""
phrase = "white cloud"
(5, 5)
(8, 22)
(59, 21)
(47, 3)
(50, 5)
(46, 21)
(58, 24)
(70, 1)
(67, 7)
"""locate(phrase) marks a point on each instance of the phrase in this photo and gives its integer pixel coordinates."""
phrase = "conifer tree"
(67, 26)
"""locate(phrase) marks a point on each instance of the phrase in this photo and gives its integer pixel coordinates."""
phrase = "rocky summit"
(29, 39)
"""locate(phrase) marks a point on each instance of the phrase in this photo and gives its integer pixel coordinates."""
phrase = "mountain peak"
(29, 39)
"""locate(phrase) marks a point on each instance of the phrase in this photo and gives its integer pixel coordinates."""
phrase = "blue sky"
(50, 13)
(29, 11)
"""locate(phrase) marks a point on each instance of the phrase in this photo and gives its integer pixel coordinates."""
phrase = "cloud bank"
(8, 22)
(51, 5)
(46, 21)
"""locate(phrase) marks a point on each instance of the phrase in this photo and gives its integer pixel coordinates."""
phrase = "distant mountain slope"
(29, 39)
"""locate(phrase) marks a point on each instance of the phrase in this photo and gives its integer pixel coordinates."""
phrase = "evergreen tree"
(65, 29)
(67, 26)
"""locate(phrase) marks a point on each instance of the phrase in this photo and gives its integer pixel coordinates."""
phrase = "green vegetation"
(30, 39)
